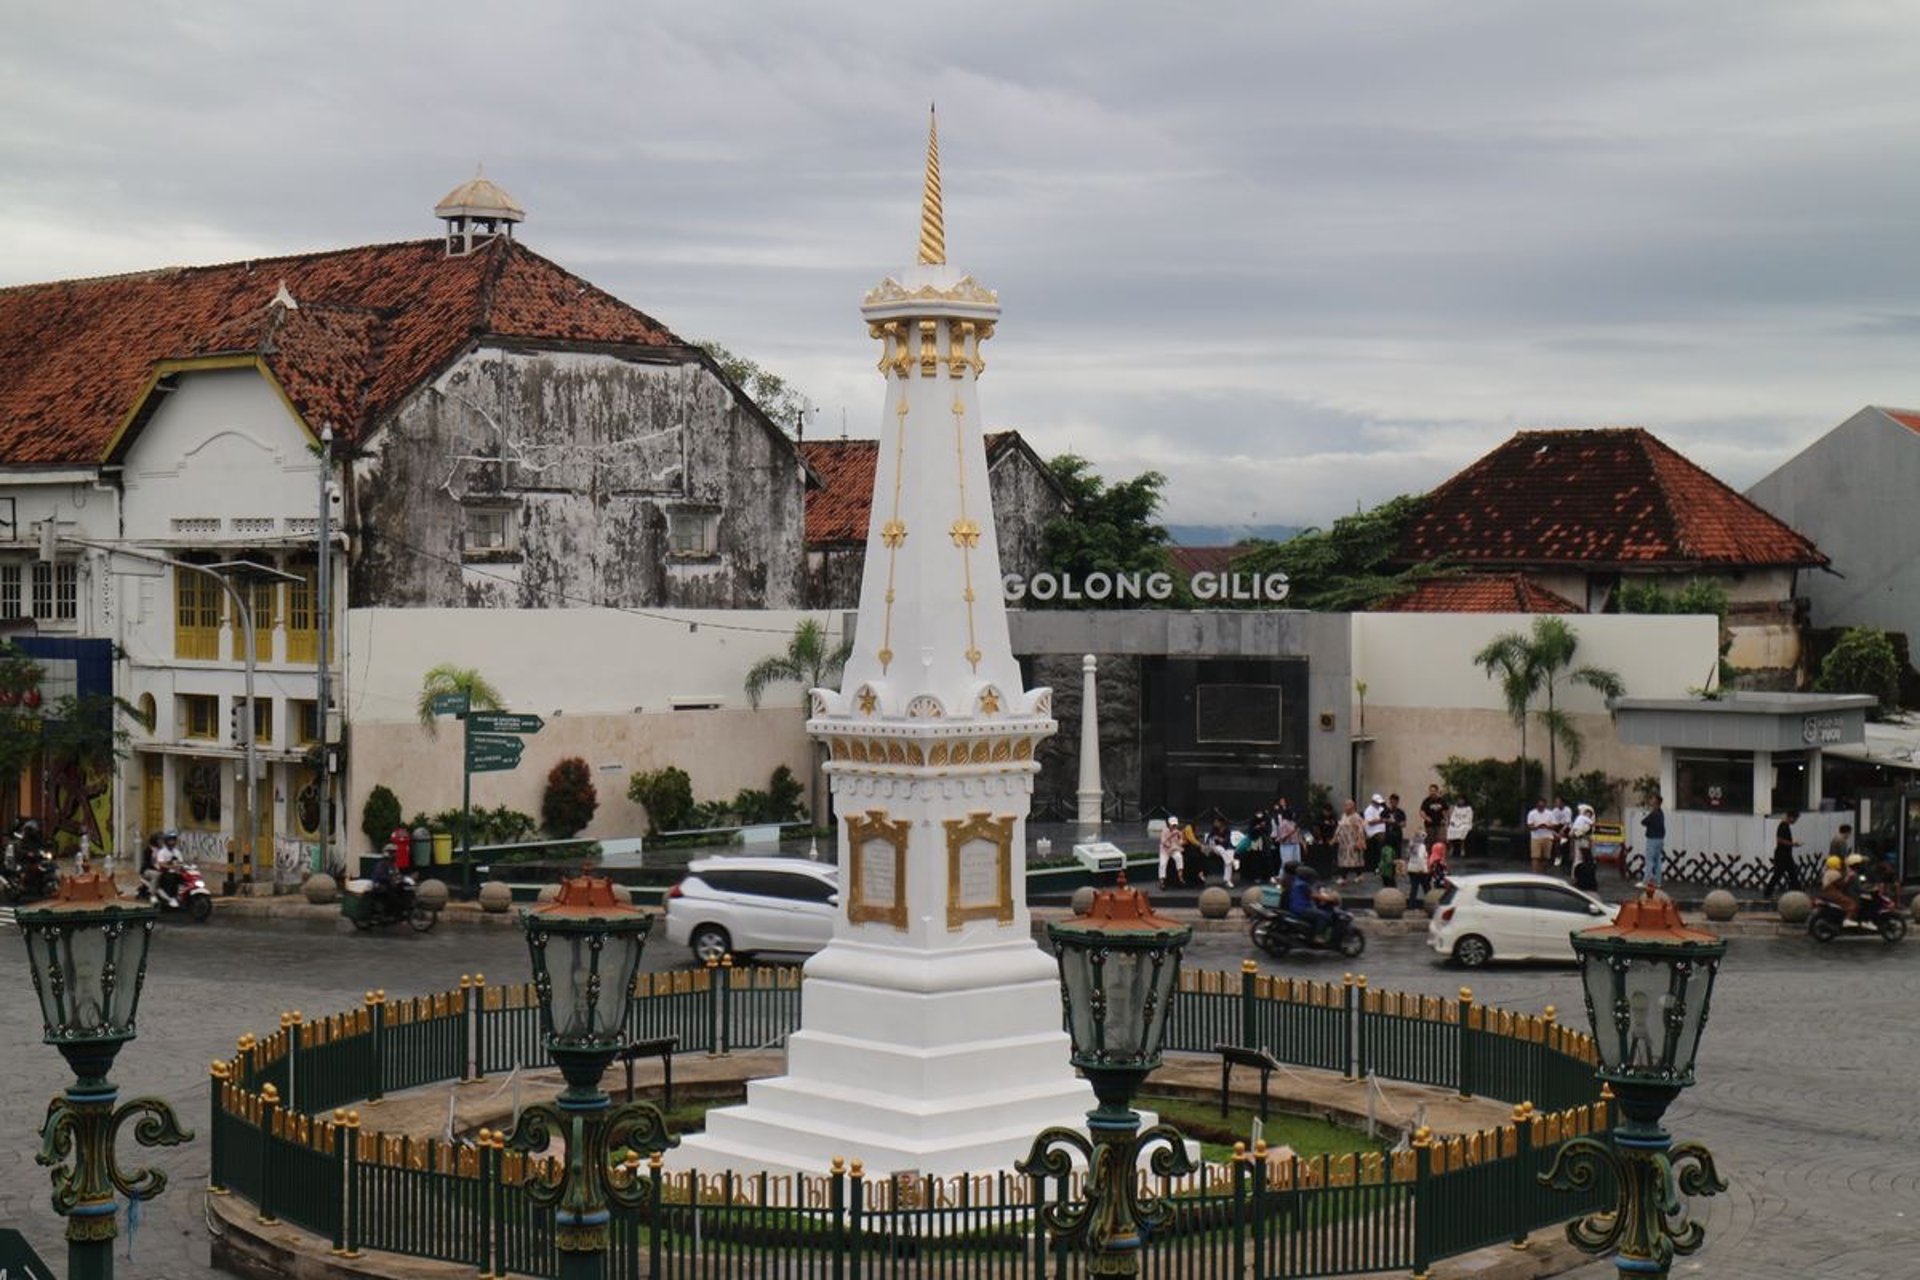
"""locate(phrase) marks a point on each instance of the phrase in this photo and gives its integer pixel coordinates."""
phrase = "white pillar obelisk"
(930, 1034)
(1087, 815)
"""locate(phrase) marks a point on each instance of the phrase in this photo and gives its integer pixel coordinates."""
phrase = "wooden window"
(263, 719)
(196, 615)
(263, 603)
(9, 591)
(303, 626)
(200, 783)
(303, 721)
(56, 591)
(199, 715)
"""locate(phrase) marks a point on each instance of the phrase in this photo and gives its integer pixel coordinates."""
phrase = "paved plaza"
(1804, 1097)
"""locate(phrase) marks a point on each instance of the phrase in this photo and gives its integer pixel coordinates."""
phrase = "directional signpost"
(492, 742)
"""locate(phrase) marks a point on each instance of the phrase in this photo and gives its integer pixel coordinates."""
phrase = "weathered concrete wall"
(1117, 693)
(833, 575)
(590, 454)
(1024, 503)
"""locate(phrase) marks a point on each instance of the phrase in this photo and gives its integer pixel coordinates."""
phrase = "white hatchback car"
(1512, 916)
(747, 905)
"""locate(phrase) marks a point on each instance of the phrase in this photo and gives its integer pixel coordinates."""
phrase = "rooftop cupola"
(475, 212)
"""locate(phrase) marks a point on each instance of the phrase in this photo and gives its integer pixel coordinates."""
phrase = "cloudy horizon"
(1299, 258)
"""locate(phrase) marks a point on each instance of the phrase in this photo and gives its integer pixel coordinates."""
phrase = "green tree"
(1345, 567)
(779, 399)
(20, 724)
(1541, 661)
(1108, 528)
(445, 677)
(1863, 661)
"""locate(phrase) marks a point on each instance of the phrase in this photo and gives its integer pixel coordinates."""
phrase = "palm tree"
(1528, 665)
(445, 677)
(813, 661)
(809, 659)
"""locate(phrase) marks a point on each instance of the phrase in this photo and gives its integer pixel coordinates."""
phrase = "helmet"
(1833, 863)
(169, 835)
(1855, 859)
(1586, 808)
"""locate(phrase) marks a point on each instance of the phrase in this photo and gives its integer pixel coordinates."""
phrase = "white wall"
(605, 681)
(1427, 699)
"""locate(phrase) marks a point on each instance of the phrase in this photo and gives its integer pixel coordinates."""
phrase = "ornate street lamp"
(1118, 965)
(585, 946)
(87, 948)
(1648, 980)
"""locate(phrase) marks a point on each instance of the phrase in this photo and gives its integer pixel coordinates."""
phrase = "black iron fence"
(283, 1139)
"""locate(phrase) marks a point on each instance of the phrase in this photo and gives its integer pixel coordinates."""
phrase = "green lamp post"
(585, 946)
(1118, 966)
(1648, 980)
(87, 948)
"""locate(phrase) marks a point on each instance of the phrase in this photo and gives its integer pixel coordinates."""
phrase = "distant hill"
(1225, 535)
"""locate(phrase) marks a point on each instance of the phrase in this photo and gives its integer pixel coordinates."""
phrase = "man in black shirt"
(1433, 812)
(1784, 874)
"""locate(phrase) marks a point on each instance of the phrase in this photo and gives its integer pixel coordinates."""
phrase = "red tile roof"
(371, 324)
(1192, 560)
(1478, 593)
(1607, 497)
(837, 510)
(1911, 421)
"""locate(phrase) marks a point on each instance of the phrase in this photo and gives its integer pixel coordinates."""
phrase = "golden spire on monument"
(933, 226)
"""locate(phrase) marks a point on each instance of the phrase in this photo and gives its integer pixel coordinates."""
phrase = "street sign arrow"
(487, 752)
(503, 722)
(451, 703)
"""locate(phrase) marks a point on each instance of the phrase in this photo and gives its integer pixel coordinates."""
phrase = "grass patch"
(1216, 1134)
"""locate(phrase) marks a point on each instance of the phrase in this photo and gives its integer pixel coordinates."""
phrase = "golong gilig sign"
(1100, 587)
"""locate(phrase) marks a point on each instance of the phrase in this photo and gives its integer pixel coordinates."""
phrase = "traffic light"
(239, 721)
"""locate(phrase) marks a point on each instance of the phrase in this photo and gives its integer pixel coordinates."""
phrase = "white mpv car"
(1512, 916)
(746, 905)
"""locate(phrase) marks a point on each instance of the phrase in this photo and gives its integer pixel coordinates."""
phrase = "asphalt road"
(1804, 1091)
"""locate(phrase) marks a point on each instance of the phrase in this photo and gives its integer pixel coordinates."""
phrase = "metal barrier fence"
(466, 1201)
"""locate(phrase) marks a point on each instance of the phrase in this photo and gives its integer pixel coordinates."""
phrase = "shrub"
(780, 802)
(1499, 795)
(498, 825)
(667, 796)
(379, 815)
(1593, 787)
(1863, 661)
(569, 802)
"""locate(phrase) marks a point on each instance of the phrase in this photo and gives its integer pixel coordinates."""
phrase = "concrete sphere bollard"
(496, 898)
(432, 894)
(319, 889)
(549, 893)
(1083, 900)
(1794, 907)
(1215, 902)
(1721, 906)
(1251, 899)
(1390, 904)
(1913, 906)
(623, 895)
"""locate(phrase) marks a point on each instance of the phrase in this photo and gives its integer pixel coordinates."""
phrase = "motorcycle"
(368, 908)
(1878, 914)
(27, 870)
(1278, 931)
(181, 888)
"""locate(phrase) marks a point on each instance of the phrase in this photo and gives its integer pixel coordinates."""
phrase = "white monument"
(930, 1034)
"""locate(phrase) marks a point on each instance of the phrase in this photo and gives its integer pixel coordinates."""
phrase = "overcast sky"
(1297, 256)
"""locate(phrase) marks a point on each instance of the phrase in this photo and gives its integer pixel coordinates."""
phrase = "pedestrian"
(1286, 834)
(1785, 872)
(1562, 830)
(1417, 878)
(1171, 847)
(1350, 843)
(1655, 827)
(1539, 835)
(1375, 817)
(1581, 835)
(1433, 813)
(1396, 818)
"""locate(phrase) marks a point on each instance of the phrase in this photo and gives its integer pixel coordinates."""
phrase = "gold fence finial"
(933, 222)
(1249, 966)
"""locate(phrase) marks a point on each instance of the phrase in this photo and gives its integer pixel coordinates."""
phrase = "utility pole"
(323, 593)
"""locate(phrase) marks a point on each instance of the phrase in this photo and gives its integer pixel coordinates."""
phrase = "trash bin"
(442, 848)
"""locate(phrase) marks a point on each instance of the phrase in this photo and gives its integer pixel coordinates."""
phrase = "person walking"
(1539, 836)
(1417, 878)
(1655, 827)
(1350, 843)
(1785, 873)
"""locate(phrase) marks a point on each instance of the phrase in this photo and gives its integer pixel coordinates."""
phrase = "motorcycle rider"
(1303, 899)
(1833, 887)
(166, 869)
(384, 880)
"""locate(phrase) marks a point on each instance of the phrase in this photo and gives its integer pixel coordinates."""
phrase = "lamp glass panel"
(129, 964)
(1694, 984)
(1597, 975)
(84, 953)
(1650, 1000)
(1165, 973)
(1076, 978)
(619, 959)
(1128, 982)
